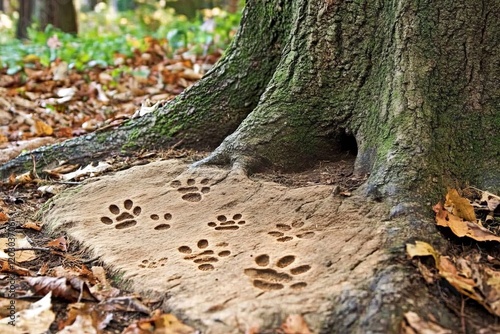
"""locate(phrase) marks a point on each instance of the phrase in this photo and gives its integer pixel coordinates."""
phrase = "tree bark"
(415, 83)
(25, 16)
(59, 13)
(400, 78)
(202, 116)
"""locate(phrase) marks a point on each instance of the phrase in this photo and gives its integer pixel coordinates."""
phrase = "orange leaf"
(461, 206)
(59, 243)
(3, 217)
(462, 228)
(32, 226)
(43, 129)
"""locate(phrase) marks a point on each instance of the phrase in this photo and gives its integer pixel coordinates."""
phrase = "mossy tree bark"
(416, 83)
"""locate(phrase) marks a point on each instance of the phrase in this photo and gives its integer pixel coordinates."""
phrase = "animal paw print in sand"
(268, 279)
(125, 217)
(224, 224)
(204, 257)
(286, 233)
(162, 226)
(191, 192)
(151, 264)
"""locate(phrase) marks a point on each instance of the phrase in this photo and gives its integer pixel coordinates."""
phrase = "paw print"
(268, 279)
(125, 218)
(162, 226)
(204, 257)
(191, 192)
(227, 225)
(284, 230)
(150, 264)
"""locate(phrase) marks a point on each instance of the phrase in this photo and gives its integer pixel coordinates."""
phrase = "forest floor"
(87, 290)
(46, 256)
(43, 105)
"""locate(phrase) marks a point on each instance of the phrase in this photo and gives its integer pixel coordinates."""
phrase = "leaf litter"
(53, 104)
(473, 218)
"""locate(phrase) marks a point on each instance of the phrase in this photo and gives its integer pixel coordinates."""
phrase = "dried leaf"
(462, 228)
(35, 320)
(83, 324)
(159, 324)
(59, 244)
(43, 129)
(420, 326)
(469, 278)
(461, 207)
(88, 170)
(3, 218)
(9, 267)
(5, 305)
(32, 226)
(71, 289)
(83, 318)
(7, 249)
(25, 178)
(492, 201)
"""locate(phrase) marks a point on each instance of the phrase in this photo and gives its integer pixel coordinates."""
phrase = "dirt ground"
(211, 273)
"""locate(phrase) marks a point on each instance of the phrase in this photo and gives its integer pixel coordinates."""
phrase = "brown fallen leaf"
(71, 289)
(56, 172)
(159, 324)
(3, 218)
(33, 226)
(59, 244)
(8, 249)
(84, 318)
(462, 228)
(7, 267)
(295, 324)
(5, 306)
(418, 325)
(467, 276)
(460, 206)
(24, 178)
(36, 319)
(43, 129)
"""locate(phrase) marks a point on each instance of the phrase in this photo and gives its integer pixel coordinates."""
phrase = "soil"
(23, 202)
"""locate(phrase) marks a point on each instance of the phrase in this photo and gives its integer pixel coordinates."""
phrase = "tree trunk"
(411, 86)
(415, 86)
(25, 16)
(59, 13)
(232, 6)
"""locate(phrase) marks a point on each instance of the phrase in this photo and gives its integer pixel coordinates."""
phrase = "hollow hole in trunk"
(348, 144)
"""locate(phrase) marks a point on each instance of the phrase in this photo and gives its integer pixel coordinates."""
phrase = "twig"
(67, 182)
(19, 249)
(493, 195)
(91, 260)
